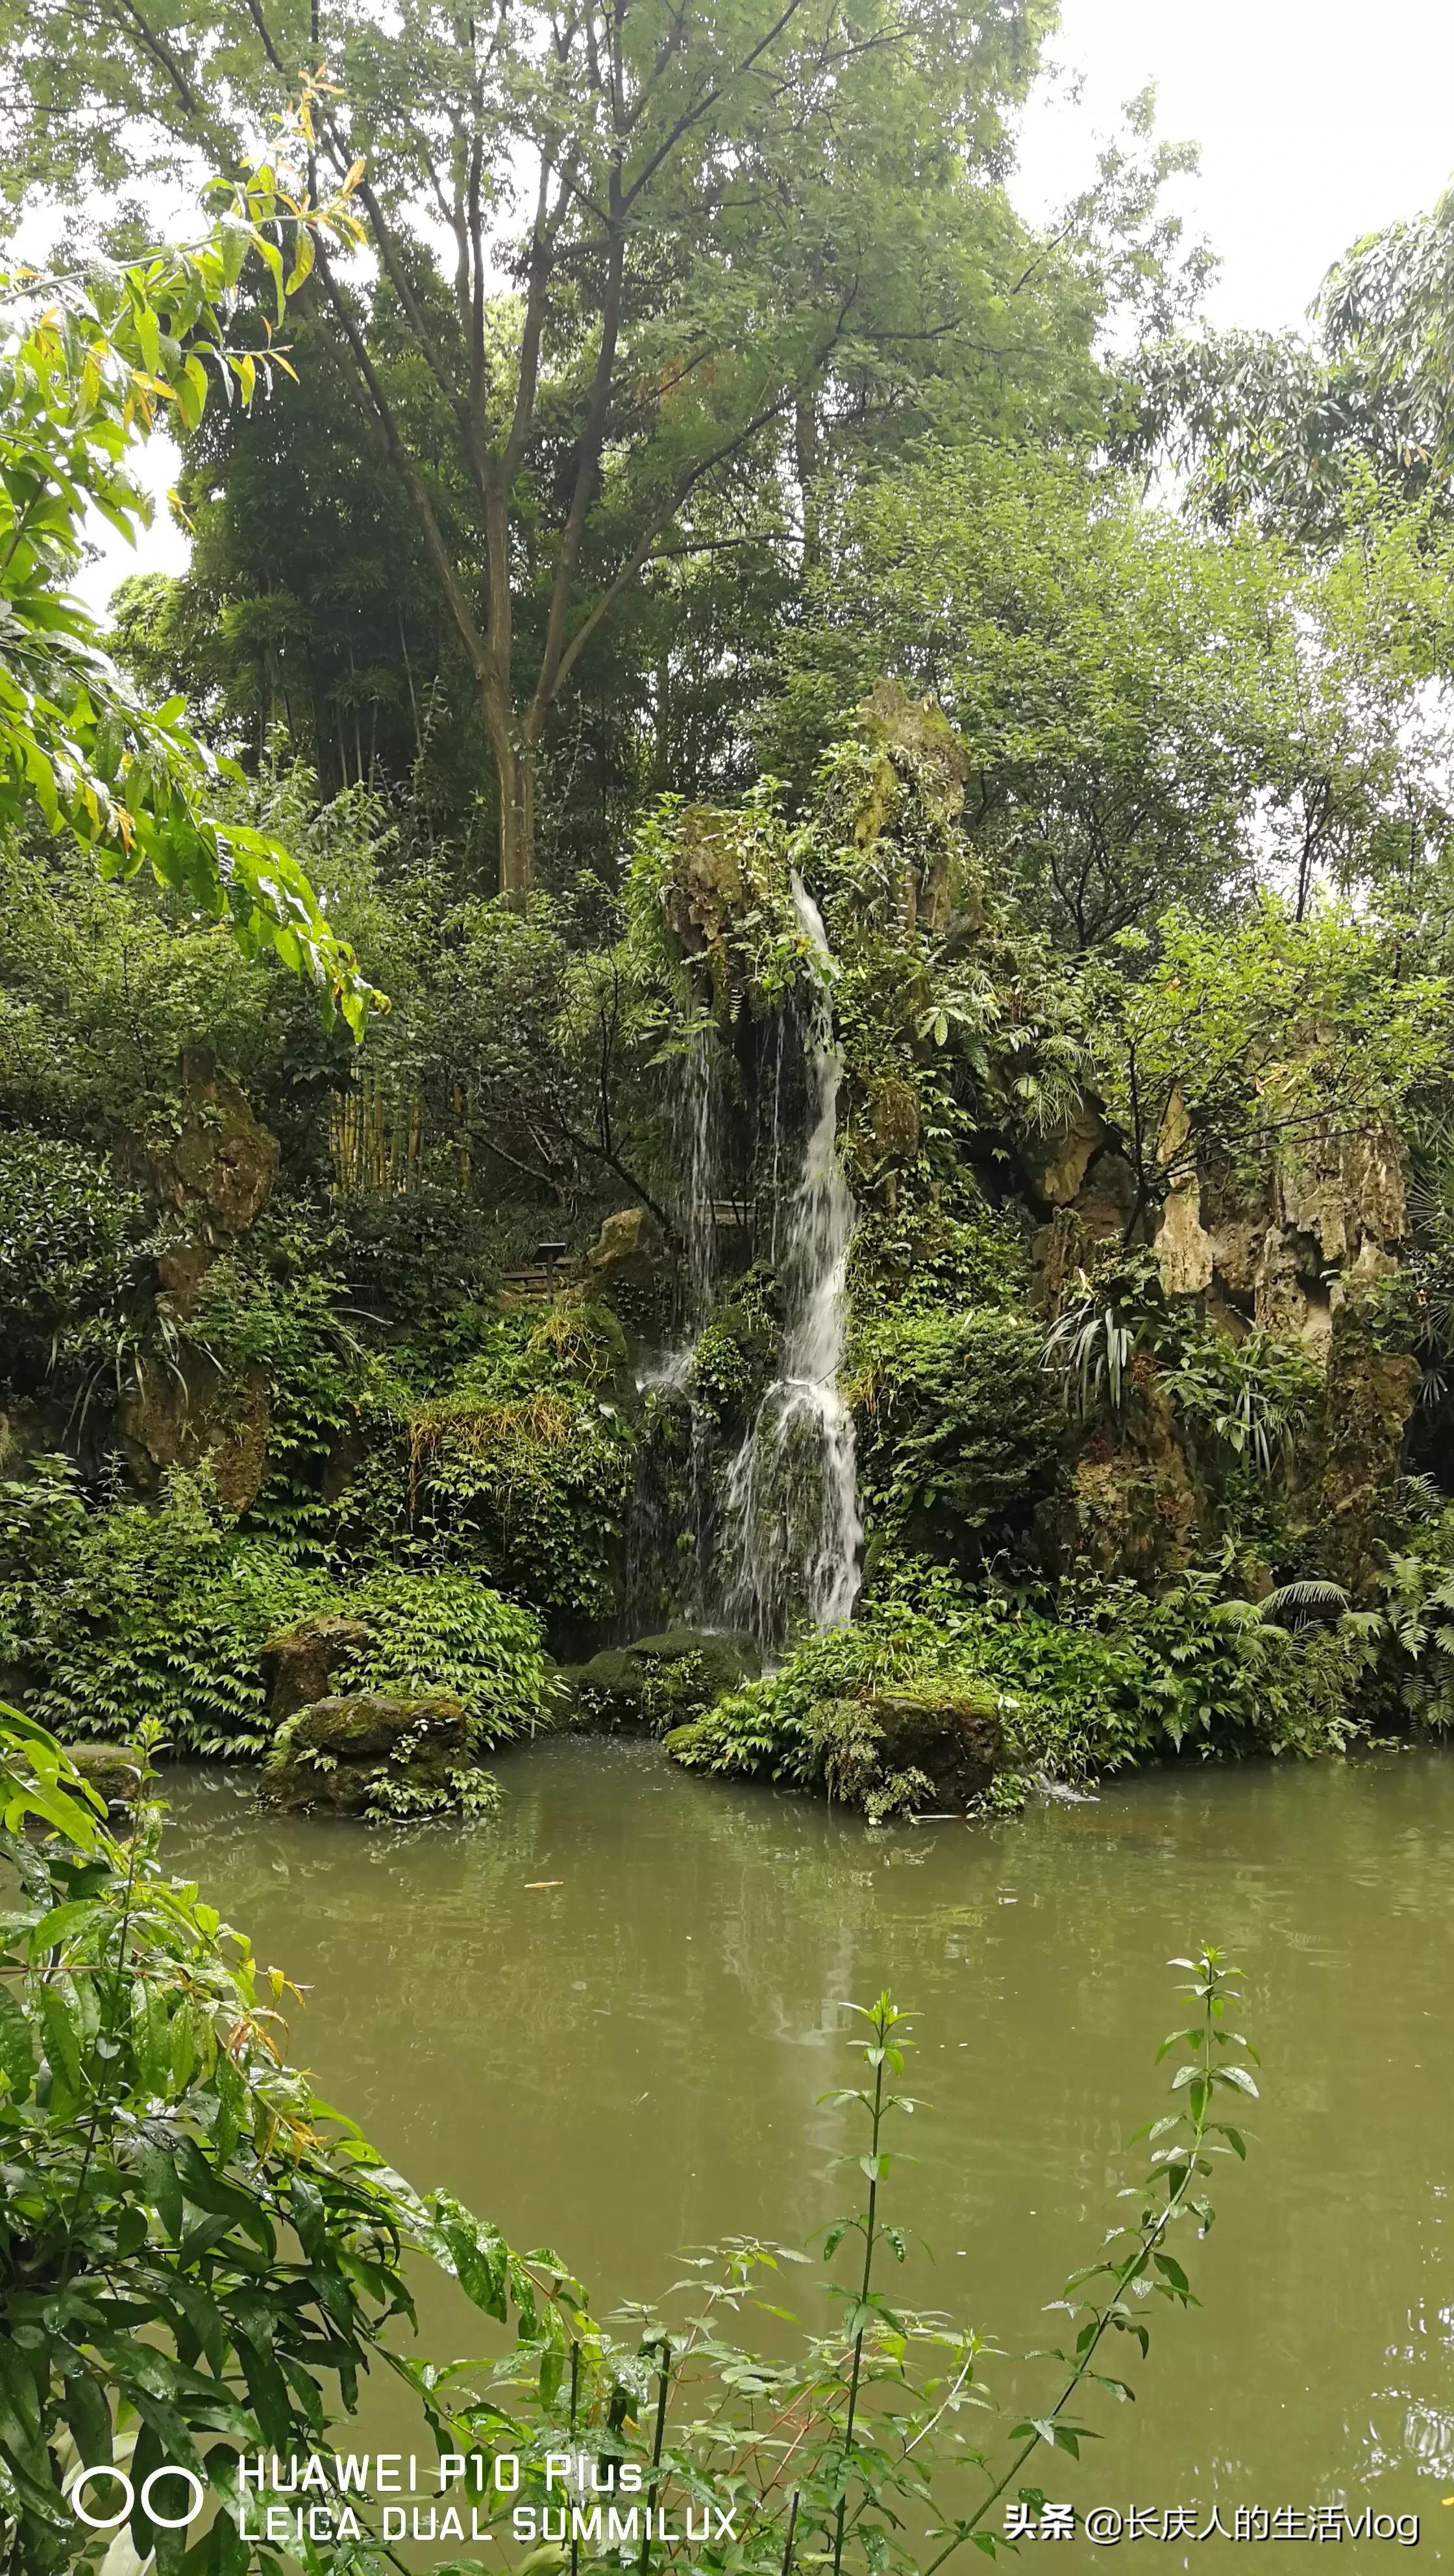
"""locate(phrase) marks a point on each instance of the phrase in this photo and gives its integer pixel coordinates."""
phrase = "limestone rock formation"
(181, 1415)
(1056, 1164)
(1347, 1476)
(628, 1268)
(1137, 1503)
(212, 1177)
(910, 802)
(217, 1170)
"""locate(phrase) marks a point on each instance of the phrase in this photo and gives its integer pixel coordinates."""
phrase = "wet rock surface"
(951, 1734)
(115, 1771)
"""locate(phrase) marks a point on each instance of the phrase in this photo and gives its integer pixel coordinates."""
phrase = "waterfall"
(790, 1525)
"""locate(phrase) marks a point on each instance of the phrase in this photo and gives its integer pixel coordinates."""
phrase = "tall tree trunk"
(516, 769)
(805, 460)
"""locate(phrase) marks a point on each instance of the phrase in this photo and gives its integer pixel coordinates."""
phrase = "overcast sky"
(1318, 120)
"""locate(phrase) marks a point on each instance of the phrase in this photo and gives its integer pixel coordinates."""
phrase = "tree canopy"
(638, 276)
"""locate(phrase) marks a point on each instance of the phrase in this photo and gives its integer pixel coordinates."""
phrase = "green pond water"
(628, 2062)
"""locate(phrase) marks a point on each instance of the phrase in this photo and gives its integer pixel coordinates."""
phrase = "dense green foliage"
(1106, 1678)
(83, 368)
(591, 444)
(131, 1615)
(1129, 833)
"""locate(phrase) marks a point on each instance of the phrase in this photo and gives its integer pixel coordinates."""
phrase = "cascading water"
(790, 1528)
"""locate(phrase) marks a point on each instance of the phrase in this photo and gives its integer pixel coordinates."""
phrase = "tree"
(1150, 714)
(1278, 1033)
(678, 244)
(1108, 673)
(1286, 427)
(82, 375)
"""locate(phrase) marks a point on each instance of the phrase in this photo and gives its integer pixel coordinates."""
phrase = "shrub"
(72, 1243)
(526, 1461)
(129, 1613)
(813, 1725)
(1111, 1678)
(736, 1354)
(115, 1616)
(922, 1259)
(288, 1317)
(959, 1438)
(447, 1632)
(1113, 1675)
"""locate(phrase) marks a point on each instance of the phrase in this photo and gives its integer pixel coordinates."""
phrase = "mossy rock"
(368, 1754)
(734, 1361)
(905, 1745)
(299, 1663)
(909, 1747)
(628, 1271)
(659, 1682)
(115, 1771)
(947, 1730)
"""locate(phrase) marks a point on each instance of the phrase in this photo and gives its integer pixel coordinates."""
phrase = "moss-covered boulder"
(932, 1742)
(878, 1716)
(299, 1663)
(368, 1754)
(628, 1270)
(116, 1772)
(658, 1683)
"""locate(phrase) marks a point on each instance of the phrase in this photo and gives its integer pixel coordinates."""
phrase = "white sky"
(1318, 120)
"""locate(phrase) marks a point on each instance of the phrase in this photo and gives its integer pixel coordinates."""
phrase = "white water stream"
(790, 1526)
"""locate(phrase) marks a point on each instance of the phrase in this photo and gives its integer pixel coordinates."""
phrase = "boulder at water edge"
(115, 1771)
(659, 1682)
(909, 1747)
(372, 1755)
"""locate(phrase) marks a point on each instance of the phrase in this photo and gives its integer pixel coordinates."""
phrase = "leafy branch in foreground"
(1184, 2142)
(87, 368)
(199, 2260)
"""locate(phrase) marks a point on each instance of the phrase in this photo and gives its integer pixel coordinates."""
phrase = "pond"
(605, 2021)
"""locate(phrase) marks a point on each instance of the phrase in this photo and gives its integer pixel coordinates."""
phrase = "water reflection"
(628, 2062)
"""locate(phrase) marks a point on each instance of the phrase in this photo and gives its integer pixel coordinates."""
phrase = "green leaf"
(17, 2048)
(56, 1928)
(62, 2048)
